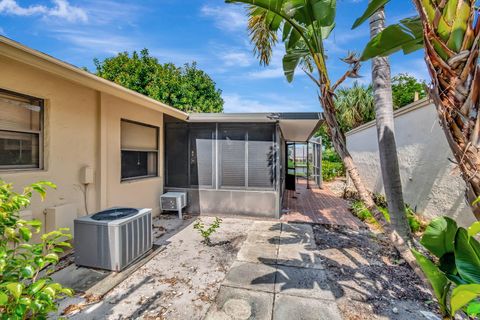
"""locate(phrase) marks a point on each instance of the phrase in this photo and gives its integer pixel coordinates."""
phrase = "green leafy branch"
(205, 231)
(26, 290)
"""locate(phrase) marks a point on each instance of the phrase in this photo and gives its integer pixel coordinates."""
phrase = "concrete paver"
(258, 253)
(276, 279)
(253, 276)
(299, 308)
(303, 282)
(297, 247)
(241, 304)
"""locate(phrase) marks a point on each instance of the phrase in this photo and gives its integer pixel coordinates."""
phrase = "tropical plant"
(26, 290)
(354, 105)
(454, 273)
(186, 88)
(387, 146)
(305, 25)
(450, 32)
(207, 231)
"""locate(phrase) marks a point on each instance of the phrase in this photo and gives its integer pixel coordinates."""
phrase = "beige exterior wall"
(81, 128)
(143, 193)
(429, 180)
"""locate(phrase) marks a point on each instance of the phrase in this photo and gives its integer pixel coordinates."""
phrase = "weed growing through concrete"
(205, 231)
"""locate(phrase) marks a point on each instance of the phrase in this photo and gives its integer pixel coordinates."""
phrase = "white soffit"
(299, 130)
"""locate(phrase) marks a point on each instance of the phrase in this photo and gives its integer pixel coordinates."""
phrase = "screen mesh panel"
(176, 154)
(201, 155)
(261, 156)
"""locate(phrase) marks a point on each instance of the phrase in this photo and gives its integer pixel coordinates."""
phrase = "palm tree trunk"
(387, 147)
(338, 141)
(455, 75)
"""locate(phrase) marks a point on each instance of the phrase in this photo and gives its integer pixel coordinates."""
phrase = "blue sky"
(207, 31)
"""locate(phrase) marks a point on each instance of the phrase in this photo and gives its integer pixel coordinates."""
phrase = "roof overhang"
(16, 51)
(299, 127)
(295, 126)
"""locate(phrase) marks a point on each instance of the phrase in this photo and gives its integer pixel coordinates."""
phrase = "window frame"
(39, 133)
(156, 151)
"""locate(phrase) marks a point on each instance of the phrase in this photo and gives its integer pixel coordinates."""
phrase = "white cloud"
(61, 9)
(271, 103)
(226, 17)
(12, 7)
(2, 32)
(96, 42)
(275, 69)
(237, 59)
(268, 73)
(64, 10)
(414, 67)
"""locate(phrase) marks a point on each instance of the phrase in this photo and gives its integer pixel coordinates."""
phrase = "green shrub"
(332, 165)
(205, 231)
(360, 210)
(26, 290)
(454, 274)
(416, 225)
(331, 170)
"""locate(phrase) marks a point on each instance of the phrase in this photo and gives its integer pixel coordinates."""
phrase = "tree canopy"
(186, 88)
(404, 87)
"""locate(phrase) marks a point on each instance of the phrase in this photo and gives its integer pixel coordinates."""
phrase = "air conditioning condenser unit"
(113, 238)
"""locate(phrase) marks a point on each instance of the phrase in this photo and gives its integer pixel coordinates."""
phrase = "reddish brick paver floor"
(317, 205)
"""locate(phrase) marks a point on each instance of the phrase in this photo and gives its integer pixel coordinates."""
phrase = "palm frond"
(262, 36)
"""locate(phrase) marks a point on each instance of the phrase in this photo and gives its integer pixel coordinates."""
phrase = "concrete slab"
(258, 253)
(241, 304)
(298, 256)
(79, 279)
(291, 307)
(297, 234)
(251, 276)
(263, 237)
(297, 247)
(302, 282)
(272, 226)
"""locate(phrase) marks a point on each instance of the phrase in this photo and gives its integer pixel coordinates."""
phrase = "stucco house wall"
(430, 182)
(82, 121)
(70, 135)
(134, 193)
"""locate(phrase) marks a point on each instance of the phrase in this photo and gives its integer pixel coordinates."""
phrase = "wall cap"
(399, 112)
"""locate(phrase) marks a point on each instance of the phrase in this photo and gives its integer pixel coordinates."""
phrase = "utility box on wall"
(86, 175)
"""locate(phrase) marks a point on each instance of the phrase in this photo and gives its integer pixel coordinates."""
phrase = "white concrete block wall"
(430, 182)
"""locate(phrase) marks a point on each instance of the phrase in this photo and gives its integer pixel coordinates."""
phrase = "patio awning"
(295, 126)
(299, 127)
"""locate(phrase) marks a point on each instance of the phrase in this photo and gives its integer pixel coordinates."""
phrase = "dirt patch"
(368, 277)
(181, 281)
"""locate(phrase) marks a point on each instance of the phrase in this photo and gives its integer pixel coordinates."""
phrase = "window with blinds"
(233, 157)
(139, 150)
(21, 126)
(247, 156)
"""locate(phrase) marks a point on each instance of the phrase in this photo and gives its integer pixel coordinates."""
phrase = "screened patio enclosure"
(233, 164)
